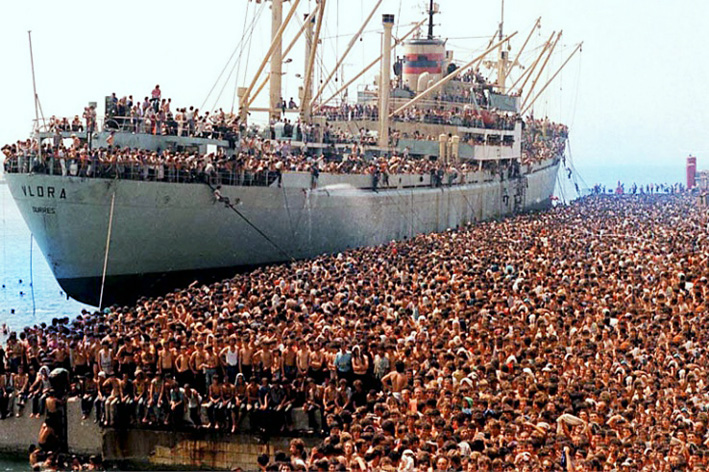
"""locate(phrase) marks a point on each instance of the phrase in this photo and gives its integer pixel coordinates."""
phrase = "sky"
(634, 97)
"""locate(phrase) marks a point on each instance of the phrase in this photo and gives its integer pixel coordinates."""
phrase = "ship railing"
(138, 171)
(477, 123)
(140, 125)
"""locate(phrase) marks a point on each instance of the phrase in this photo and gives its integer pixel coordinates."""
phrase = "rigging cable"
(248, 34)
(233, 53)
(246, 66)
(4, 239)
(230, 205)
(108, 245)
(248, 56)
(34, 308)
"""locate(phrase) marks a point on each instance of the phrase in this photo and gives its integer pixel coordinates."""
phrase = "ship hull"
(166, 235)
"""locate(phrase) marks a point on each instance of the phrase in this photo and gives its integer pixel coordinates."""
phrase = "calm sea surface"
(23, 270)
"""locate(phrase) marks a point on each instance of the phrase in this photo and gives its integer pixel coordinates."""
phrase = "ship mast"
(245, 94)
(502, 56)
(305, 108)
(385, 81)
(274, 107)
(37, 105)
(430, 20)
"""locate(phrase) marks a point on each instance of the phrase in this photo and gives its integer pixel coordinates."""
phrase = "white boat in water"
(144, 203)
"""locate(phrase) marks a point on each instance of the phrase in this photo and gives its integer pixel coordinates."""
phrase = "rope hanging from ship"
(227, 203)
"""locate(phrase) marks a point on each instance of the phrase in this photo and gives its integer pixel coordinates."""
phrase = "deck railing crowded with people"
(260, 161)
(543, 139)
(258, 164)
(458, 116)
(451, 351)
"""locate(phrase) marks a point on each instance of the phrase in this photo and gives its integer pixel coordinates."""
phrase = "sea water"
(29, 293)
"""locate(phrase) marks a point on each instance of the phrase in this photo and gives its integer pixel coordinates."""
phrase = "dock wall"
(16, 434)
(150, 449)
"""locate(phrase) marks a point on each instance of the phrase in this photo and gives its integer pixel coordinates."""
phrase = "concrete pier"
(16, 434)
(150, 449)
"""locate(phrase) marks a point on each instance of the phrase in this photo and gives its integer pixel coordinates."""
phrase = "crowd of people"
(154, 115)
(472, 117)
(569, 340)
(542, 139)
(259, 161)
(634, 188)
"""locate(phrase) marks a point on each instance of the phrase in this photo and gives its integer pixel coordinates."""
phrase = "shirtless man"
(316, 364)
(166, 359)
(16, 351)
(196, 361)
(20, 381)
(246, 354)
(183, 373)
(214, 406)
(61, 355)
(265, 356)
(79, 360)
(147, 358)
(126, 358)
(303, 359)
(397, 379)
(209, 365)
(289, 360)
(360, 365)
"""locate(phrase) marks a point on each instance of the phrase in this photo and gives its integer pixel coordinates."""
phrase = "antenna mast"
(502, 19)
(502, 56)
(430, 20)
(37, 106)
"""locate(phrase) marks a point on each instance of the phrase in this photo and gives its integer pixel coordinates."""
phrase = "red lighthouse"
(691, 172)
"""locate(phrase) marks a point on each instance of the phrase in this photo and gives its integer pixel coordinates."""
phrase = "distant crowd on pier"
(570, 340)
(635, 189)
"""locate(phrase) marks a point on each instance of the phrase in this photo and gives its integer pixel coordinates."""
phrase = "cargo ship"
(436, 146)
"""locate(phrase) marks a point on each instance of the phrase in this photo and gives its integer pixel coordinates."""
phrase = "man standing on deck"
(189, 118)
(155, 98)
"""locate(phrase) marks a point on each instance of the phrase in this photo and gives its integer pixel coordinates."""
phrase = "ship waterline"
(166, 235)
